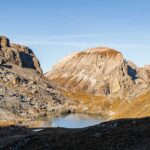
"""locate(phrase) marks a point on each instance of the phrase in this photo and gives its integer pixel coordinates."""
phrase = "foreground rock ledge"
(124, 134)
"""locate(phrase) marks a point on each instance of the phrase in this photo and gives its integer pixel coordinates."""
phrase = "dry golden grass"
(7, 123)
(139, 107)
(136, 108)
(89, 103)
(108, 52)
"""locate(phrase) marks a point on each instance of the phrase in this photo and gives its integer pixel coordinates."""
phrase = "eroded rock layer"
(101, 72)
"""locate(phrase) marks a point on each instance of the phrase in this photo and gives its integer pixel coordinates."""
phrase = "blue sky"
(56, 28)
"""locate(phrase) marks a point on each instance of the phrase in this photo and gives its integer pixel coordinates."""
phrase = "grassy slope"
(87, 103)
(138, 107)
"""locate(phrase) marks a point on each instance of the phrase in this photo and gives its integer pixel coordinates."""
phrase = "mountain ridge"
(99, 71)
(105, 84)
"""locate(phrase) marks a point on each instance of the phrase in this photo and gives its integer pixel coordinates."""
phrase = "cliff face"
(19, 55)
(101, 72)
(24, 91)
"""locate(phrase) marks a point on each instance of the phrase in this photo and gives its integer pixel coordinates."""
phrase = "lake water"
(73, 121)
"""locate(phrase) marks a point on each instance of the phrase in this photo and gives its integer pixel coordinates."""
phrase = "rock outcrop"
(19, 55)
(24, 91)
(101, 72)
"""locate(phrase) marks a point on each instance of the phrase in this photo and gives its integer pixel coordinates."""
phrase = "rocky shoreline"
(123, 134)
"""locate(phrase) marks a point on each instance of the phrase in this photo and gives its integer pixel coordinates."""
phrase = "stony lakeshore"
(124, 134)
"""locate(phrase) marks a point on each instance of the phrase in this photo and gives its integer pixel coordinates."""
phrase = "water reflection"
(73, 121)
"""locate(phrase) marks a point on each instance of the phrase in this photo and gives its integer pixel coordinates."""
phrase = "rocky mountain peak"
(104, 51)
(100, 54)
(18, 55)
(99, 71)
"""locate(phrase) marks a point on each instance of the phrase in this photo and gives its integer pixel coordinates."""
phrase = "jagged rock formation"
(101, 71)
(17, 54)
(24, 91)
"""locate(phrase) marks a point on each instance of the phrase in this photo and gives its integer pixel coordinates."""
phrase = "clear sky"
(56, 28)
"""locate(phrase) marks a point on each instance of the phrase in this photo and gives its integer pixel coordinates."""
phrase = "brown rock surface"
(101, 72)
(24, 91)
(19, 55)
(100, 80)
